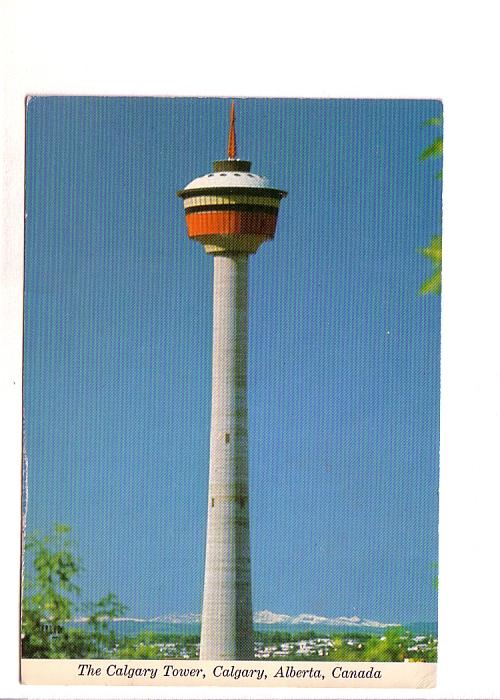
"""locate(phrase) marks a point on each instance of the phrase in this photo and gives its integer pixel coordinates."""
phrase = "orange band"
(231, 223)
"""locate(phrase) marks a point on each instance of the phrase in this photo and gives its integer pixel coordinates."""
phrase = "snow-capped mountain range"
(266, 617)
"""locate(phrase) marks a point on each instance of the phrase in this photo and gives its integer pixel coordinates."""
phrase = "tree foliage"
(47, 599)
(435, 150)
(432, 285)
(390, 647)
(50, 603)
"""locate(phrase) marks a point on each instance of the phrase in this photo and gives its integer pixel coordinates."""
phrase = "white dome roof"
(228, 179)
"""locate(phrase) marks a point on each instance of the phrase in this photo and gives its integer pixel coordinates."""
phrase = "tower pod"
(231, 210)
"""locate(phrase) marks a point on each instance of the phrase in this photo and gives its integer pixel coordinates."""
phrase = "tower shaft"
(226, 631)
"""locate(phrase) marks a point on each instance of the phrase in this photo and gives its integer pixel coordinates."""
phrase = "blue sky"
(343, 365)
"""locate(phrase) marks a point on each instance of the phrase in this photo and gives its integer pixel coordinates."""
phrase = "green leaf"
(434, 250)
(435, 150)
(49, 602)
(433, 121)
(432, 284)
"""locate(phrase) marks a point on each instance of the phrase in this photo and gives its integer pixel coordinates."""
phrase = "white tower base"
(226, 631)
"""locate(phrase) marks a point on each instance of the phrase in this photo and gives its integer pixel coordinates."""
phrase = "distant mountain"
(266, 617)
(178, 619)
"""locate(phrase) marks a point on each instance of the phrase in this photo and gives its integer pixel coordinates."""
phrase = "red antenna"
(231, 143)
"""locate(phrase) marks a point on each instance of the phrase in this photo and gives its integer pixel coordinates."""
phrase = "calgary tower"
(230, 211)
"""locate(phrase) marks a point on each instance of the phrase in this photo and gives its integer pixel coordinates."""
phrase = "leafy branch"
(50, 602)
(432, 285)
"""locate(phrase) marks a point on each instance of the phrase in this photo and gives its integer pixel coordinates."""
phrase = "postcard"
(231, 391)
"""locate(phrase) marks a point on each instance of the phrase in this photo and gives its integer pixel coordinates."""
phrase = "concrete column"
(226, 631)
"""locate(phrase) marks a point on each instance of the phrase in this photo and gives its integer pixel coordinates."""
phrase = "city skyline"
(343, 475)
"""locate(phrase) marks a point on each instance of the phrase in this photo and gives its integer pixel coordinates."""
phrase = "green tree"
(432, 285)
(49, 603)
(102, 613)
(435, 150)
(390, 647)
(48, 594)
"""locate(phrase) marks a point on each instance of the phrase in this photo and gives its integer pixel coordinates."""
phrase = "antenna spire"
(231, 143)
